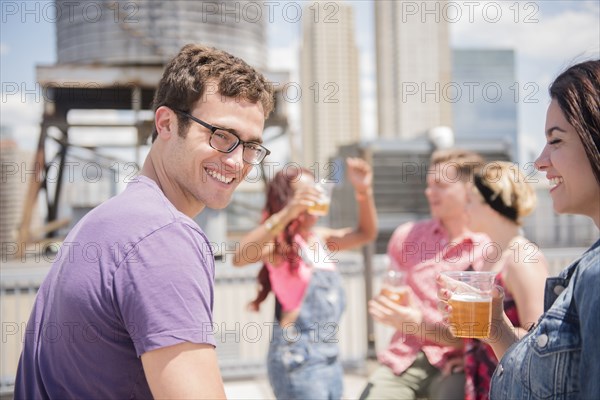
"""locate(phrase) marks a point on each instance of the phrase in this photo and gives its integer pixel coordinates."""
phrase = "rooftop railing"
(242, 336)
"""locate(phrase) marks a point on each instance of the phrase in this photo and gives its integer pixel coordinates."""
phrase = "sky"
(547, 36)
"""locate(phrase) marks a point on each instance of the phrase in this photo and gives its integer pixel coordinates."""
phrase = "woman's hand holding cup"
(474, 310)
(468, 295)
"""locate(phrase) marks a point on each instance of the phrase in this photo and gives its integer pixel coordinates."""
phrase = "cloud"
(287, 59)
(21, 115)
(536, 32)
(284, 58)
(531, 146)
(368, 90)
(367, 63)
(368, 117)
(546, 36)
(585, 39)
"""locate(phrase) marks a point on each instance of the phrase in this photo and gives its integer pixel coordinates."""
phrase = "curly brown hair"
(197, 68)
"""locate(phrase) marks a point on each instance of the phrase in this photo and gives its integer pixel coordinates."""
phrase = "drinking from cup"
(321, 207)
(471, 302)
(394, 287)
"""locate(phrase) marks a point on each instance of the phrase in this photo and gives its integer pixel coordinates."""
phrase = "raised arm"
(263, 235)
(360, 175)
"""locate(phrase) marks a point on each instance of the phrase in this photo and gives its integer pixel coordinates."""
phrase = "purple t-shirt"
(133, 276)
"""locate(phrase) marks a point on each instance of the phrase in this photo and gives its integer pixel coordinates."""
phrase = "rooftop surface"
(259, 388)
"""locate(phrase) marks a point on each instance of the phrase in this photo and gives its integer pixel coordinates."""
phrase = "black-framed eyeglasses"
(225, 141)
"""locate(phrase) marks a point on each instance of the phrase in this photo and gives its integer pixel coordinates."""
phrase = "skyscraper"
(329, 81)
(484, 96)
(413, 67)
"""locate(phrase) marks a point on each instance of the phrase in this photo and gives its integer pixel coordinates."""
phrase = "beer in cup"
(394, 287)
(321, 207)
(471, 302)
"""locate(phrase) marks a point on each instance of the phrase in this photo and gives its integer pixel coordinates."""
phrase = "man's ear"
(165, 121)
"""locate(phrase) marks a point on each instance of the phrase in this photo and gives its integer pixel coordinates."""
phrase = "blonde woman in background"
(498, 200)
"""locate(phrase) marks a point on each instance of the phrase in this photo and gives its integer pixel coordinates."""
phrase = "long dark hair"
(577, 91)
(279, 193)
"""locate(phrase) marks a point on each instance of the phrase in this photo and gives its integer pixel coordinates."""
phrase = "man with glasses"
(126, 309)
(226, 141)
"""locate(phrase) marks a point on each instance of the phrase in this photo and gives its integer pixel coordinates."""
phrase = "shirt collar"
(439, 229)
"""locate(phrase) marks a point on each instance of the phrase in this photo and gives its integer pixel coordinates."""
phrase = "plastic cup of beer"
(321, 207)
(471, 302)
(394, 287)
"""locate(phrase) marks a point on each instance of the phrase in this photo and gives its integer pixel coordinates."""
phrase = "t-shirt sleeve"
(163, 290)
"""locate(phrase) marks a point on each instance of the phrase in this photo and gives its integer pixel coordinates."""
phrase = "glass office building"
(484, 93)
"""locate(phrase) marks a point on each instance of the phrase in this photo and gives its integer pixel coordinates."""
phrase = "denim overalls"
(560, 357)
(303, 356)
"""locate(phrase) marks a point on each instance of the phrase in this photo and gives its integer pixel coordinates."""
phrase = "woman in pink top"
(303, 354)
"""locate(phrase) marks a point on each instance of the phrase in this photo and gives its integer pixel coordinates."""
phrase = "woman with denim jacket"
(559, 358)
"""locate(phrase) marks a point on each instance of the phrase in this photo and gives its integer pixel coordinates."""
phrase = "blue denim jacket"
(560, 357)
